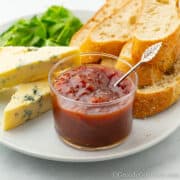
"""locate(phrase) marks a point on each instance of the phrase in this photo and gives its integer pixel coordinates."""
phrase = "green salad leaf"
(54, 27)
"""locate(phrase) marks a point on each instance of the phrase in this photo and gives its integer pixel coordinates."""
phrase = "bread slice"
(106, 10)
(159, 21)
(110, 35)
(148, 74)
(157, 91)
(151, 100)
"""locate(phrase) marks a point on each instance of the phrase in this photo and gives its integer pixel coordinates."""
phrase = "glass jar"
(92, 126)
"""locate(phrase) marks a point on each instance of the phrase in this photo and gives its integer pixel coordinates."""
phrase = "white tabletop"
(159, 162)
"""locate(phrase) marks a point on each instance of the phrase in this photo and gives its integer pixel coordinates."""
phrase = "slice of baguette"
(159, 21)
(154, 99)
(151, 100)
(110, 35)
(163, 90)
(148, 73)
(105, 11)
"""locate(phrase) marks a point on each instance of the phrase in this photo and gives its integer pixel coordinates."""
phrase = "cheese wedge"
(28, 102)
(27, 64)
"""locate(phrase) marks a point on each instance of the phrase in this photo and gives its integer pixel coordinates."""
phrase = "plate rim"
(79, 159)
(136, 150)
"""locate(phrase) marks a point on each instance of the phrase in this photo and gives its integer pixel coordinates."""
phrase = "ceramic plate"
(38, 138)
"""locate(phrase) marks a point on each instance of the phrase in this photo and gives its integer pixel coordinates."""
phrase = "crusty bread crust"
(159, 96)
(167, 55)
(83, 32)
(107, 9)
(113, 45)
(80, 38)
(147, 73)
(169, 51)
(153, 99)
(150, 103)
(156, 97)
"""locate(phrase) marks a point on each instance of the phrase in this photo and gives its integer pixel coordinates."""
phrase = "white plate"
(38, 138)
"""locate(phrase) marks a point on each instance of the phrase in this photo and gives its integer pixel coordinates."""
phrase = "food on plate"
(153, 99)
(158, 21)
(92, 84)
(159, 84)
(53, 28)
(27, 64)
(148, 73)
(89, 111)
(29, 101)
(125, 28)
(160, 93)
(144, 23)
(113, 32)
(105, 11)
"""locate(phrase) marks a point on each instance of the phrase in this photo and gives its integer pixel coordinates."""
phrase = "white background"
(159, 162)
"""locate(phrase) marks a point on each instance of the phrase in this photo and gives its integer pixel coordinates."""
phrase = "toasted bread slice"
(160, 94)
(159, 21)
(148, 73)
(110, 35)
(151, 100)
(154, 99)
(105, 11)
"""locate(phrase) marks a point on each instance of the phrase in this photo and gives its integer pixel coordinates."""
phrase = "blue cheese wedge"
(27, 64)
(28, 102)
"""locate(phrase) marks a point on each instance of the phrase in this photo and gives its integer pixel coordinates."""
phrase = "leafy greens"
(53, 28)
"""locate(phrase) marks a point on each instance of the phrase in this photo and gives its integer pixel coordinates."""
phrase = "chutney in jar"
(89, 111)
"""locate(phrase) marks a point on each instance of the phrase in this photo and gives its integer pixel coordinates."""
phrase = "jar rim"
(115, 101)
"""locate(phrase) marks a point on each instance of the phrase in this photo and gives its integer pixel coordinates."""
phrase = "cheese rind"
(28, 64)
(29, 101)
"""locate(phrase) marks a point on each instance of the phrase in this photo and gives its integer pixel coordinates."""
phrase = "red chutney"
(91, 112)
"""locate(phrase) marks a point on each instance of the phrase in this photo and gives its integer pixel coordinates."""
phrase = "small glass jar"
(92, 126)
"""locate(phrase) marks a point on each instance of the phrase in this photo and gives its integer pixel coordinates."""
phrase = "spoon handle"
(127, 74)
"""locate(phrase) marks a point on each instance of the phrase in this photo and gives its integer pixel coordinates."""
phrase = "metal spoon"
(147, 56)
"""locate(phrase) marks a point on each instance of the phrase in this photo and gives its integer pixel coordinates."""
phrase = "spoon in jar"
(147, 56)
